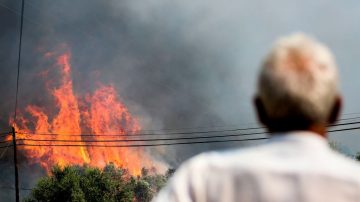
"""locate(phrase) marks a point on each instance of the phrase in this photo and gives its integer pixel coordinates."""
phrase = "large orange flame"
(104, 116)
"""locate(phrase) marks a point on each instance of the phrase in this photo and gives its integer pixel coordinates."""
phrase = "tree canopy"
(357, 157)
(84, 183)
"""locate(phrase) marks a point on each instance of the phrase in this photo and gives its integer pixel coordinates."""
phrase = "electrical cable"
(145, 140)
(5, 141)
(173, 133)
(164, 139)
(143, 145)
(1, 147)
(2, 154)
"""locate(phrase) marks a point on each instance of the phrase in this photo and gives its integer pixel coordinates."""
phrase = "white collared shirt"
(296, 167)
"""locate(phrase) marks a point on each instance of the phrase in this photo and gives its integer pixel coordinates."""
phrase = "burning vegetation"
(82, 130)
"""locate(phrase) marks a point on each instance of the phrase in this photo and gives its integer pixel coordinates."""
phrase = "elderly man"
(297, 98)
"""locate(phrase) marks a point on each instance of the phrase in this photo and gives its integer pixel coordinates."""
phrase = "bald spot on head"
(298, 81)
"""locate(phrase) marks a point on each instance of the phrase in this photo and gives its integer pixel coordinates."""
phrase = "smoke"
(175, 64)
(171, 62)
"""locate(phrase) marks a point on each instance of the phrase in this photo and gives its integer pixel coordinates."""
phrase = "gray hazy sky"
(181, 63)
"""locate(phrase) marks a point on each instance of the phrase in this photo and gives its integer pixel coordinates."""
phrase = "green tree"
(357, 157)
(84, 183)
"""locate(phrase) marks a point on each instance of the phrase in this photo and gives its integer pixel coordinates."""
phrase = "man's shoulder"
(268, 158)
(346, 165)
(254, 165)
(210, 169)
(228, 159)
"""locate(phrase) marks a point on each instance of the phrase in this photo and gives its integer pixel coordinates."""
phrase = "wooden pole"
(15, 166)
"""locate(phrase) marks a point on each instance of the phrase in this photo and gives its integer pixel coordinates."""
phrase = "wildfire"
(101, 114)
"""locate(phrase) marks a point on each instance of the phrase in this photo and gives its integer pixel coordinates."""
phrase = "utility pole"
(15, 166)
(16, 104)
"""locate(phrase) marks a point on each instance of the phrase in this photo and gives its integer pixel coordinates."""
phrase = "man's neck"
(317, 129)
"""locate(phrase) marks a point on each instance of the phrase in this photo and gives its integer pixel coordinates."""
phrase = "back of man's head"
(298, 85)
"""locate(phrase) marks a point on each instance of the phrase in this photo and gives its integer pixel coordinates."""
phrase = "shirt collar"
(306, 138)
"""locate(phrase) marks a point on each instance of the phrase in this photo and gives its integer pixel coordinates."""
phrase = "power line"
(144, 134)
(344, 124)
(172, 133)
(166, 139)
(158, 139)
(5, 134)
(343, 129)
(3, 153)
(6, 141)
(144, 145)
(1, 147)
(17, 13)
(145, 140)
(8, 8)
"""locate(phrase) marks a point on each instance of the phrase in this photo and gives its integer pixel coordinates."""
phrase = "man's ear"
(260, 111)
(335, 112)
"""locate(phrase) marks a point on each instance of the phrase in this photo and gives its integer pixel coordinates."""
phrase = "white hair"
(298, 78)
